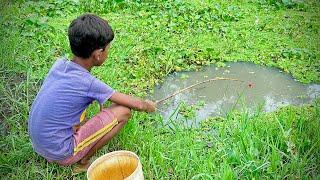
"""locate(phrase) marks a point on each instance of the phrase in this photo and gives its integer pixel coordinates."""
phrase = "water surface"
(271, 90)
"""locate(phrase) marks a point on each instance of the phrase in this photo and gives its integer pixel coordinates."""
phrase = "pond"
(263, 87)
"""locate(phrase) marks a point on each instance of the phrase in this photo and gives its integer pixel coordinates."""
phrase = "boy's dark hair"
(87, 33)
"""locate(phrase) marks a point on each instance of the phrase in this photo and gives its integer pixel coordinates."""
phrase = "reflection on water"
(271, 90)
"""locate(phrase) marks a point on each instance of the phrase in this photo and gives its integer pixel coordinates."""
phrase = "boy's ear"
(96, 54)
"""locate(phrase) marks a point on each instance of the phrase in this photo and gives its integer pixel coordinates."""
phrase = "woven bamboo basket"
(116, 165)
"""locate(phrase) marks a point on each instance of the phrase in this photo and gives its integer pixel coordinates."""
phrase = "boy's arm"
(132, 102)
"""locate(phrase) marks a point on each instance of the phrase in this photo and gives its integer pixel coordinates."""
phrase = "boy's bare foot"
(80, 167)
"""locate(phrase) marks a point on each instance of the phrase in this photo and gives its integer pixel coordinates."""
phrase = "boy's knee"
(122, 113)
(126, 115)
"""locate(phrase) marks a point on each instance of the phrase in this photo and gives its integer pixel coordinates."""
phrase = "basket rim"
(113, 154)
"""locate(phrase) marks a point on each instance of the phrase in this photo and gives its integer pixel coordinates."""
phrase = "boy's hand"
(150, 106)
(132, 102)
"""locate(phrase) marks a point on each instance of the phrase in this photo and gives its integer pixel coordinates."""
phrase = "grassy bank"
(153, 39)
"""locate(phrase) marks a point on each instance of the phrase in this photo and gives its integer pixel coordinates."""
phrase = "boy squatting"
(56, 120)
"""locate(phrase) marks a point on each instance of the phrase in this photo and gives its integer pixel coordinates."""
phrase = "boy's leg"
(122, 114)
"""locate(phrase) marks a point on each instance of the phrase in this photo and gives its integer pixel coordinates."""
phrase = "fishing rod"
(199, 83)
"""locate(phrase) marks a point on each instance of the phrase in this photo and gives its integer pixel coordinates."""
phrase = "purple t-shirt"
(66, 92)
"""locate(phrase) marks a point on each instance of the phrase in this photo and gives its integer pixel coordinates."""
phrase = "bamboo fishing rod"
(199, 83)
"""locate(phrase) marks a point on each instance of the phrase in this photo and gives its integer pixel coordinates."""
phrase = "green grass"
(153, 39)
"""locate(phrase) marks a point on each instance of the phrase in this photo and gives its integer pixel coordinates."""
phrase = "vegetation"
(153, 39)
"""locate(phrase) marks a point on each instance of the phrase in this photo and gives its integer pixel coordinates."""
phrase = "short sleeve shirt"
(66, 92)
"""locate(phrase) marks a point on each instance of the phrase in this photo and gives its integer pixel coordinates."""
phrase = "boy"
(55, 115)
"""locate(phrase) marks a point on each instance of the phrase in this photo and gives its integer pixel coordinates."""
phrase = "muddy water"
(271, 89)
